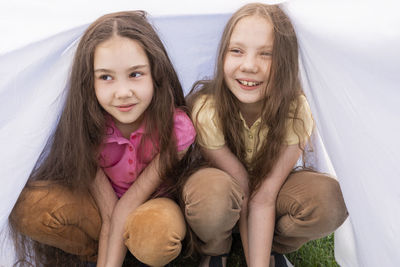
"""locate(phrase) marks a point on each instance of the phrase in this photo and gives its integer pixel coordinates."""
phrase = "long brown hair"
(70, 157)
(283, 89)
(81, 127)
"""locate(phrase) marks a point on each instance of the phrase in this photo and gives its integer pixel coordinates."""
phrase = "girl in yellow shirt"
(253, 122)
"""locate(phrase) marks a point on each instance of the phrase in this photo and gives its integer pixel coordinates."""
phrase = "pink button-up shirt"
(122, 160)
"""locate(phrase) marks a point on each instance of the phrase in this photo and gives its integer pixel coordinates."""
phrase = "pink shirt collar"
(113, 134)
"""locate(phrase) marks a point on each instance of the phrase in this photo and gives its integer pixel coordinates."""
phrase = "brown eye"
(105, 77)
(235, 51)
(267, 54)
(136, 74)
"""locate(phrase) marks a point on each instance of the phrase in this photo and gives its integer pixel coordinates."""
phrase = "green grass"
(317, 253)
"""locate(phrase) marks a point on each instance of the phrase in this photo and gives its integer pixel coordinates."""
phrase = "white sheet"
(351, 59)
(350, 64)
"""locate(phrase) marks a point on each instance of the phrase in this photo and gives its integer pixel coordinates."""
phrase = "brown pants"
(53, 215)
(309, 206)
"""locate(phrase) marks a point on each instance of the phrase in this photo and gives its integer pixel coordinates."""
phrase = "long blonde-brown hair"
(283, 89)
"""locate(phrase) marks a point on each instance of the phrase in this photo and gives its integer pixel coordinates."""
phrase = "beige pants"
(309, 206)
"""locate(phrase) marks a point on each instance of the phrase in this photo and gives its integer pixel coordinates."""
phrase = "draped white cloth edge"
(349, 76)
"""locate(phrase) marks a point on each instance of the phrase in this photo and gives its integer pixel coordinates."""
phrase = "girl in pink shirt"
(118, 143)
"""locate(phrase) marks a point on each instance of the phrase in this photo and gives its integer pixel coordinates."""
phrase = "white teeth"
(246, 83)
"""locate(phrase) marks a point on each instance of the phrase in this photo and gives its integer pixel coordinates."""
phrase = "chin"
(250, 100)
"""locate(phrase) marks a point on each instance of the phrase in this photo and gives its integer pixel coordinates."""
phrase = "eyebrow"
(241, 44)
(136, 67)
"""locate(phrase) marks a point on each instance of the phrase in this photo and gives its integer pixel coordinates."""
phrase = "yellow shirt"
(210, 135)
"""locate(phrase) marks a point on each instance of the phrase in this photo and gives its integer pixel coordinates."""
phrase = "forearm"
(137, 194)
(224, 159)
(116, 248)
(103, 241)
(243, 228)
(261, 223)
(261, 207)
(106, 200)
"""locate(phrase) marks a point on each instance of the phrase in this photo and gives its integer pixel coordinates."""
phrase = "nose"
(123, 89)
(249, 64)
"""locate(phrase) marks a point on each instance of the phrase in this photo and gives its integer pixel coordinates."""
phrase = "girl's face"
(248, 59)
(123, 82)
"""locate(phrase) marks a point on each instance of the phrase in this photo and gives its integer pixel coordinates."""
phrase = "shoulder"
(180, 117)
(300, 121)
(182, 121)
(209, 130)
(300, 109)
(204, 108)
(305, 111)
(183, 128)
(301, 104)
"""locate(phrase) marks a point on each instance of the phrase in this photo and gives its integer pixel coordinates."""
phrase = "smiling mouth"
(248, 83)
(125, 108)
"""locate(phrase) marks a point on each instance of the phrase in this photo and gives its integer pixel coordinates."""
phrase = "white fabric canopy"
(350, 62)
(351, 59)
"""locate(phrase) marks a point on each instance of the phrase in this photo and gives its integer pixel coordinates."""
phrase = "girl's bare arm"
(225, 160)
(106, 199)
(137, 194)
(261, 220)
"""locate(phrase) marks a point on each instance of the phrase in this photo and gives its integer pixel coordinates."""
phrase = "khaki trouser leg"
(212, 206)
(309, 206)
(53, 215)
(154, 231)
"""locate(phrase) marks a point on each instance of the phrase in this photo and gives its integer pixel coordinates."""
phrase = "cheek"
(97, 90)
(148, 93)
(102, 96)
(97, 94)
(228, 66)
(149, 96)
(150, 87)
(229, 72)
(267, 69)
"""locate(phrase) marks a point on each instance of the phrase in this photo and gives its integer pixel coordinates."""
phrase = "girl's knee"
(154, 231)
(212, 202)
(30, 213)
(332, 210)
(327, 195)
(213, 190)
(53, 216)
(313, 198)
